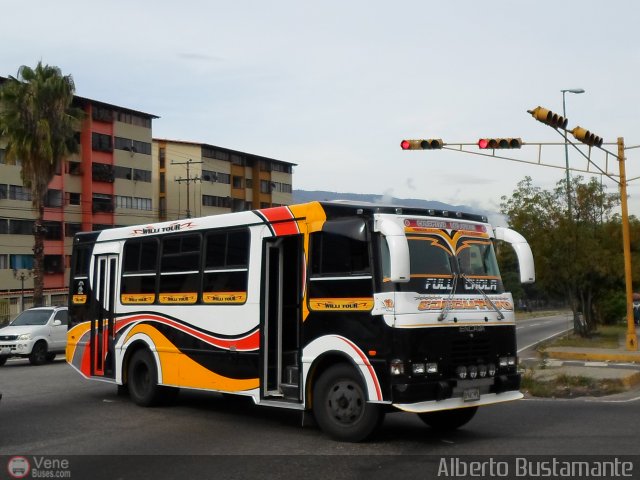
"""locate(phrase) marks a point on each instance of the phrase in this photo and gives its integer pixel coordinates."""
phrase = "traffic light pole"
(632, 338)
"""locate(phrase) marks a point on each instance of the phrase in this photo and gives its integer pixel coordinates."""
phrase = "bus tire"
(340, 405)
(448, 420)
(142, 379)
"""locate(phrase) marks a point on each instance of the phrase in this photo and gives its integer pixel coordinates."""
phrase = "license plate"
(5, 351)
(471, 395)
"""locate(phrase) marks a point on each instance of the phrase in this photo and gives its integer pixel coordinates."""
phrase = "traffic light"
(549, 118)
(494, 143)
(428, 144)
(585, 136)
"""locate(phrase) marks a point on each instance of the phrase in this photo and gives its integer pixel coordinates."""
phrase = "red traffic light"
(422, 144)
(495, 143)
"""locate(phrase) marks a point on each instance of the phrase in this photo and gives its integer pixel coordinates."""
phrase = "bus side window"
(340, 267)
(180, 269)
(138, 285)
(226, 268)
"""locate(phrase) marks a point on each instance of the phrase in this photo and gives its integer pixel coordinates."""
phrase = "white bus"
(346, 310)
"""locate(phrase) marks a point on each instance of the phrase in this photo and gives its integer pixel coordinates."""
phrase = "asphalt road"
(50, 410)
(532, 331)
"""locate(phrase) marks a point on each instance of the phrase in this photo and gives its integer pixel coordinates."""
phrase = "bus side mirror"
(523, 252)
(399, 263)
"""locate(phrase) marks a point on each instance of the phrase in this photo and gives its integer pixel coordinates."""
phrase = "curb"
(593, 356)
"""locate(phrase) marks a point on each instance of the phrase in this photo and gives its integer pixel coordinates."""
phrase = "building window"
(162, 155)
(53, 263)
(102, 203)
(18, 192)
(133, 146)
(21, 262)
(133, 119)
(74, 168)
(4, 262)
(53, 198)
(237, 182)
(70, 229)
(280, 167)
(102, 172)
(6, 161)
(214, 201)
(141, 175)
(101, 114)
(122, 172)
(216, 177)
(266, 186)
(4, 226)
(21, 227)
(73, 198)
(3, 191)
(53, 230)
(101, 142)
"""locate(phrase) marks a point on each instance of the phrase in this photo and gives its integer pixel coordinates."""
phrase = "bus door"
(281, 303)
(103, 321)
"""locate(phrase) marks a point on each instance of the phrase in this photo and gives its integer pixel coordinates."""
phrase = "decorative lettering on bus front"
(464, 304)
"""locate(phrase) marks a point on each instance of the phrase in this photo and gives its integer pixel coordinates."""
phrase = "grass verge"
(568, 386)
(607, 336)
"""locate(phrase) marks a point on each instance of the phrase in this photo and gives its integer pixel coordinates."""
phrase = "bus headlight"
(418, 368)
(461, 372)
(432, 368)
(397, 367)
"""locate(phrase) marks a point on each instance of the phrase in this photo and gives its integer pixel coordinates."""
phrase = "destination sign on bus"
(443, 224)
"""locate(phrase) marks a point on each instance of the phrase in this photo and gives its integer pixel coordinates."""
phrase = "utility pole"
(632, 339)
(187, 180)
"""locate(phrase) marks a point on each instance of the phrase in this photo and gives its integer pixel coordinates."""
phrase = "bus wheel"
(340, 405)
(447, 420)
(143, 379)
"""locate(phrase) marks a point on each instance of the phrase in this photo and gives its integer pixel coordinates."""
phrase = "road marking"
(545, 339)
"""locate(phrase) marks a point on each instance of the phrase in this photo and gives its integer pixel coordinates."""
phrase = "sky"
(334, 86)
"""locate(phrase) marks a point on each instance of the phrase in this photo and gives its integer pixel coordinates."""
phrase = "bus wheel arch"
(141, 377)
(340, 401)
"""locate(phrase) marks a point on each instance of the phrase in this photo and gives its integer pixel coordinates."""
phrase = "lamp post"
(566, 148)
(22, 275)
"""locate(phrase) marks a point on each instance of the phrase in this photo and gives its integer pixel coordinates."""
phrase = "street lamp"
(566, 148)
(22, 275)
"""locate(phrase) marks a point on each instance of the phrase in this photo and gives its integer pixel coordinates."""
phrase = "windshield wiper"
(486, 297)
(448, 303)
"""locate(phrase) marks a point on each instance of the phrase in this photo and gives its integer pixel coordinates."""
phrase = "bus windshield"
(434, 265)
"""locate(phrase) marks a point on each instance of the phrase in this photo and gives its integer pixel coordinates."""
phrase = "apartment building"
(108, 183)
(198, 179)
(122, 176)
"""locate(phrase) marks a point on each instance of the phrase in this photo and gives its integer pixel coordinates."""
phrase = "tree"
(39, 123)
(578, 258)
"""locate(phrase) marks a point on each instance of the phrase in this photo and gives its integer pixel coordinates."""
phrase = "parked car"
(37, 334)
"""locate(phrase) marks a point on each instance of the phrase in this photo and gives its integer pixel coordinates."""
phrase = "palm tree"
(39, 123)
